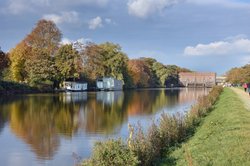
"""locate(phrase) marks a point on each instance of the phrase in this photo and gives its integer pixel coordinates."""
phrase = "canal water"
(52, 129)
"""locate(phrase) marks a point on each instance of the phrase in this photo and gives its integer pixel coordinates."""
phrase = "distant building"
(197, 79)
(109, 83)
(221, 80)
(75, 86)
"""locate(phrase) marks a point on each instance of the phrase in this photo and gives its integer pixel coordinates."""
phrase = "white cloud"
(230, 46)
(24, 6)
(159, 55)
(15, 8)
(79, 2)
(95, 23)
(64, 17)
(20, 6)
(66, 41)
(108, 20)
(84, 40)
(245, 60)
(224, 3)
(70, 41)
(79, 44)
(144, 8)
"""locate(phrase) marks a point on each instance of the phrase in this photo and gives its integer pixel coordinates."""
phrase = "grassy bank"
(222, 139)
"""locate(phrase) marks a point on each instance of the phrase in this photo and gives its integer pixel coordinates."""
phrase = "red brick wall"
(197, 78)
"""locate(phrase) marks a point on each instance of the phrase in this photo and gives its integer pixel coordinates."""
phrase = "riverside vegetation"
(14, 87)
(223, 137)
(146, 148)
(43, 61)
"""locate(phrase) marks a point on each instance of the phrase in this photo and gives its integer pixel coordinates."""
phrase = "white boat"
(75, 86)
(109, 83)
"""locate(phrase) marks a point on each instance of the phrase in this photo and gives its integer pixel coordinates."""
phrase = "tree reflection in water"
(41, 120)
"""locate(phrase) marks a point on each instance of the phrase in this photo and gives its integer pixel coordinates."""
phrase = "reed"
(145, 148)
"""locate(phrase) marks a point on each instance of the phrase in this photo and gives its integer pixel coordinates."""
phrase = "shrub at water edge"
(111, 153)
(144, 148)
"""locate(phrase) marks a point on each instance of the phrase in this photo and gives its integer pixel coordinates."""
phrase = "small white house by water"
(109, 83)
(75, 86)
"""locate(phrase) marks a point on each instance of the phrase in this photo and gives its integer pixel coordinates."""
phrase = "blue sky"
(202, 35)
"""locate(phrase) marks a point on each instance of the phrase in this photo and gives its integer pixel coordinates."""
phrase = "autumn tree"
(45, 36)
(68, 63)
(93, 62)
(4, 61)
(239, 75)
(44, 42)
(246, 74)
(139, 72)
(18, 57)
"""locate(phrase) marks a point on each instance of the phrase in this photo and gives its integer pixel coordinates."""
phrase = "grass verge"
(223, 138)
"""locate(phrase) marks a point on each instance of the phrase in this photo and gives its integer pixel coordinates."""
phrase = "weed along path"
(223, 137)
(244, 96)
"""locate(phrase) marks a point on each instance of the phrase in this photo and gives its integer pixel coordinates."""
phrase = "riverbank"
(12, 88)
(223, 137)
(146, 147)
(16, 88)
(9, 88)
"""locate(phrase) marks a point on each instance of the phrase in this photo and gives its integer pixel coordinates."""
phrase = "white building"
(75, 86)
(221, 80)
(109, 83)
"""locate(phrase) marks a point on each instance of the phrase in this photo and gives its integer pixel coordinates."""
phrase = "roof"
(196, 73)
(76, 82)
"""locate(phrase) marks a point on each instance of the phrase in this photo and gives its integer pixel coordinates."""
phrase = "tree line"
(40, 60)
(239, 75)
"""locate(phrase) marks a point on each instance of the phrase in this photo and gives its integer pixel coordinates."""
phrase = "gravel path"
(244, 96)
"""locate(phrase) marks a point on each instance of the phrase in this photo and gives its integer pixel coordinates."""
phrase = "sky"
(202, 35)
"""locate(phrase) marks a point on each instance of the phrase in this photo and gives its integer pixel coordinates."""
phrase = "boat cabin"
(75, 86)
(109, 83)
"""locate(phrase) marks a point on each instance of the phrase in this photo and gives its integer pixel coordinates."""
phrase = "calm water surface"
(46, 129)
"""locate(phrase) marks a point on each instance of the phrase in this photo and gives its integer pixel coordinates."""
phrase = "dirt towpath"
(244, 96)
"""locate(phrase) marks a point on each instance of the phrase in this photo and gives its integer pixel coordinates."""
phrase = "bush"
(204, 105)
(13, 86)
(111, 153)
(147, 147)
(1, 88)
(172, 129)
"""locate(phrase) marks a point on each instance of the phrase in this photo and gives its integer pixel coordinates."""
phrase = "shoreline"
(37, 91)
(222, 138)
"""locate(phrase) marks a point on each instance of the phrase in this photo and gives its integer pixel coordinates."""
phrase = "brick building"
(197, 79)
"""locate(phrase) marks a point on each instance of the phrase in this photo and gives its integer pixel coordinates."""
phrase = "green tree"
(173, 77)
(93, 62)
(4, 61)
(68, 62)
(40, 68)
(114, 60)
(154, 80)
